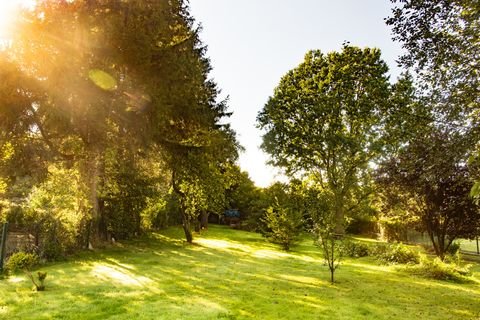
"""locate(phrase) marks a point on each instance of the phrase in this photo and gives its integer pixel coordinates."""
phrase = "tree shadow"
(222, 278)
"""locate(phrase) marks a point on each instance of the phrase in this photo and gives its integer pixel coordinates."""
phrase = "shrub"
(284, 225)
(21, 261)
(454, 248)
(26, 261)
(439, 270)
(395, 254)
(354, 249)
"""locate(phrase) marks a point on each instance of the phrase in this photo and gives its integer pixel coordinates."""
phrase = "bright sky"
(253, 43)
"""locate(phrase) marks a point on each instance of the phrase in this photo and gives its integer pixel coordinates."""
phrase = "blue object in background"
(232, 213)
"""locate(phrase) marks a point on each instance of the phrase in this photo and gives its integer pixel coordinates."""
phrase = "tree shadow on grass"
(221, 278)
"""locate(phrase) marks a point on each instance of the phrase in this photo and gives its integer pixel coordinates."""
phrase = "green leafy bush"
(21, 261)
(396, 253)
(440, 270)
(454, 248)
(284, 225)
(354, 249)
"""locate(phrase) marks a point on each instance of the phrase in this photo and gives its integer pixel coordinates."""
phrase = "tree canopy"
(442, 46)
(325, 118)
(432, 171)
(120, 93)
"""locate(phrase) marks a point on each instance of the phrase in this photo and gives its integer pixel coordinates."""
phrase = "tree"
(244, 196)
(441, 42)
(107, 81)
(432, 169)
(317, 205)
(325, 119)
(442, 46)
(283, 217)
(199, 176)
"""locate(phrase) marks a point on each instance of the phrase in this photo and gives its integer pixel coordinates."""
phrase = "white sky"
(253, 43)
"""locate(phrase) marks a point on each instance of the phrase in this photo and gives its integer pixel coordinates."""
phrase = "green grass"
(230, 274)
(468, 245)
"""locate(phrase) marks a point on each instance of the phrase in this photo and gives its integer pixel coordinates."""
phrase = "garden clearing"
(230, 274)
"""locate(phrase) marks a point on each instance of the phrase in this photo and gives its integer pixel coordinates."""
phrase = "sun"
(9, 12)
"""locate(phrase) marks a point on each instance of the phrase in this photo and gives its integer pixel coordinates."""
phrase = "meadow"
(230, 274)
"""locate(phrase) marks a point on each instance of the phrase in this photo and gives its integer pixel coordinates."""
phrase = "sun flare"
(8, 13)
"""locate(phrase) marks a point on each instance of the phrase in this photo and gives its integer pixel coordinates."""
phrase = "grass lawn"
(468, 245)
(230, 274)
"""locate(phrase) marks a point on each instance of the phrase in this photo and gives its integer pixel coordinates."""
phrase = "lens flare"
(9, 10)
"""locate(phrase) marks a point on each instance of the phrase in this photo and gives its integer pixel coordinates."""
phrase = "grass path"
(230, 274)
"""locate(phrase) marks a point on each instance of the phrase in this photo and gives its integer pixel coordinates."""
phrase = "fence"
(3, 244)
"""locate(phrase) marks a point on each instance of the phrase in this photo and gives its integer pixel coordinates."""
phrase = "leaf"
(102, 79)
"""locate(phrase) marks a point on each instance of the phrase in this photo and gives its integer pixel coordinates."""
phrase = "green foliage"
(25, 262)
(396, 253)
(354, 249)
(54, 210)
(440, 270)
(441, 45)
(21, 261)
(434, 182)
(127, 101)
(454, 248)
(441, 42)
(283, 225)
(244, 196)
(155, 215)
(325, 119)
(200, 179)
(386, 253)
(126, 192)
(318, 206)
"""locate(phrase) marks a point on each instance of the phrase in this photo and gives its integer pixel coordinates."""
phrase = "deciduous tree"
(432, 170)
(325, 118)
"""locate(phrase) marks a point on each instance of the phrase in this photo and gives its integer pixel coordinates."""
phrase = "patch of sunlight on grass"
(167, 238)
(118, 263)
(207, 304)
(262, 253)
(15, 279)
(112, 273)
(371, 267)
(304, 258)
(3, 309)
(265, 253)
(301, 279)
(367, 239)
(446, 285)
(222, 244)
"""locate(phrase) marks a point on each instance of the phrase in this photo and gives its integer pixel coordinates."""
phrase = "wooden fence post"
(3, 244)
(478, 249)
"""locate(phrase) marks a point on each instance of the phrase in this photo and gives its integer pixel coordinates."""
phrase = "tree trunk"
(435, 245)
(332, 260)
(93, 176)
(187, 228)
(339, 217)
(204, 220)
(185, 218)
